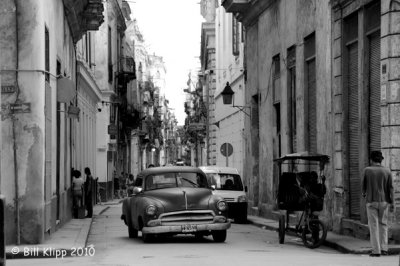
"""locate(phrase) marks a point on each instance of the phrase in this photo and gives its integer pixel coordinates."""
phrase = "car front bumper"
(180, 229)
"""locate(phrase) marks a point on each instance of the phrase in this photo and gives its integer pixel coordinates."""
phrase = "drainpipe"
(17, 222)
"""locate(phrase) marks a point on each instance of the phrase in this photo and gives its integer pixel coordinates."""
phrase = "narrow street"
(246, 245)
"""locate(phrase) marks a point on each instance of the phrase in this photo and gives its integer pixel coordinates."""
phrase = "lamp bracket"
(241, 108)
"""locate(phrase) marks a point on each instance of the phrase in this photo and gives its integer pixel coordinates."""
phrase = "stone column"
(2, 232)
(390, 90)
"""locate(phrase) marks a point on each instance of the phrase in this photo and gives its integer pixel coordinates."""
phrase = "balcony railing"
(236, 6)
(127, 69)
(83, 15)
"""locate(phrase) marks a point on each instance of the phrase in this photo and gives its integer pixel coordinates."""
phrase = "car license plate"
(188, 228)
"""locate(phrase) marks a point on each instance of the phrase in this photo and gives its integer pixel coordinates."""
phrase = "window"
(110, 66)
(47, 54)
(276, 84)
(235, 36)
(291, 85)
(311, 93)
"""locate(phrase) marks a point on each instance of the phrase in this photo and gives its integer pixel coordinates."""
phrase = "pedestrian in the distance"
(89, 192)
(377, 189)
(116, 185)
(129, 184)
(77, 191)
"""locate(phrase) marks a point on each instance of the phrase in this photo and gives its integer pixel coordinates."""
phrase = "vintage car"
(174, 200)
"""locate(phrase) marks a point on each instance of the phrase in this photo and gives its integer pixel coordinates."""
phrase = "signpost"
(20, 107)
(226, 150)
(112, 129)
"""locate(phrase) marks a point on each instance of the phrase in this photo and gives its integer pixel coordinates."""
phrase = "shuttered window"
(353, 129)
(374, 92)
(291, 65)
(309, 55)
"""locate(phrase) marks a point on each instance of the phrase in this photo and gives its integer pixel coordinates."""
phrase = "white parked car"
(227, 183)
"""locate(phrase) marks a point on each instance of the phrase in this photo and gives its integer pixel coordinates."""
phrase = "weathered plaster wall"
(29, 138)
(281, 26)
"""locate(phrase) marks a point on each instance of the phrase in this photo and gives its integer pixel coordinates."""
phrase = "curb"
(326, 242)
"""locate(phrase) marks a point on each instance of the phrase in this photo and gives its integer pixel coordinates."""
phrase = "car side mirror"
(245, 189)
(213, 187)
(137, 190)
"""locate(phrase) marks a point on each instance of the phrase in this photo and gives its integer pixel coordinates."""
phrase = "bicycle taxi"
(302, 191)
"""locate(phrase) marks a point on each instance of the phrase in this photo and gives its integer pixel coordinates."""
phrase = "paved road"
(245, 245)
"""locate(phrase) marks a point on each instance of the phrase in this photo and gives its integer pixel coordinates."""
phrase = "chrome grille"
(229, 199)
(187, 217)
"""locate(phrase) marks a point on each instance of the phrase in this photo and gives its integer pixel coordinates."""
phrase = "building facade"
(321, 77)
(110, 159)
(230, 69)
(39, 110)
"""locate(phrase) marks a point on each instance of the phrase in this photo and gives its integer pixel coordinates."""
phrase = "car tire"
(147, 238)
(219, 236)
(133, 233)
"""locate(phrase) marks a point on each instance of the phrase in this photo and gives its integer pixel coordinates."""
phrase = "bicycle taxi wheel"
(315, 231)
(314, 234)
(281, 229)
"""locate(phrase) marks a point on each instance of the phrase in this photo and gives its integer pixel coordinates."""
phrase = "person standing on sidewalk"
(77, 191)
(377, 189)
(89, 192)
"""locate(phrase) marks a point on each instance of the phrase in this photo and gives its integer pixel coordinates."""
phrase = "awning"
(65, 90)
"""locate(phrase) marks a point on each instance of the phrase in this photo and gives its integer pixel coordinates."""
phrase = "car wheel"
(147, 238)
(133, 233)
(219, 236)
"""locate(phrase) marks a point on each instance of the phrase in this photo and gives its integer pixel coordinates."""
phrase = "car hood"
(181, 198)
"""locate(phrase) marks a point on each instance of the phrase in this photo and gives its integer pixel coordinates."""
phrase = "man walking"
(377, 189)
(89, 193)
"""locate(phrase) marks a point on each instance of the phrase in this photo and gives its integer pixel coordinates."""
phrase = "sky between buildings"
(172, 29)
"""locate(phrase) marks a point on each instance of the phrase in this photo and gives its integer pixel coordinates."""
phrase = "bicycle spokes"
(314, 233)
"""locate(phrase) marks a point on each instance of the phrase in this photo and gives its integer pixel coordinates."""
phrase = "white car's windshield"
(178, 179)
(225, 181)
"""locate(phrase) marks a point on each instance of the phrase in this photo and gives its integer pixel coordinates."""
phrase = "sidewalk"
(342, 243)
(64, 242)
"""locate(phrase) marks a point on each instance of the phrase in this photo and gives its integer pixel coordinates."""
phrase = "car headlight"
(222, 206)
(242, 198)
(151, 210)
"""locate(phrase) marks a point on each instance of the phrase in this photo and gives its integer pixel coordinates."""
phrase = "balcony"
(236, 6)
(127, 69)
(83, 15)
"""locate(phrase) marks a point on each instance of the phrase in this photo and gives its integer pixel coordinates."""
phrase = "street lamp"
(227, 98)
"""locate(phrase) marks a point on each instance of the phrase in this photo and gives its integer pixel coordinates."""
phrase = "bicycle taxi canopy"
(293, 184)
(304, 156)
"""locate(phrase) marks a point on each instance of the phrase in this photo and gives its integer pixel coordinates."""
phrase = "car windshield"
(225, 181)
(176, 179)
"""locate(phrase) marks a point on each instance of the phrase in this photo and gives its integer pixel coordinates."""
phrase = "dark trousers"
(89, 205)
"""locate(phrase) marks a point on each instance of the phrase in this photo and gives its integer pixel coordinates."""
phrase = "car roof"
(219, 169)
(170, 169)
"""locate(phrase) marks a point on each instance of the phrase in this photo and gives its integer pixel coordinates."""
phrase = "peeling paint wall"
(23, 35)
(283, 25)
